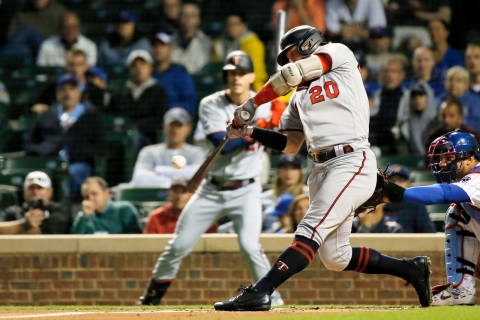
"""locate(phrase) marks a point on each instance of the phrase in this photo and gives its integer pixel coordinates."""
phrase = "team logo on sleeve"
(466, 179)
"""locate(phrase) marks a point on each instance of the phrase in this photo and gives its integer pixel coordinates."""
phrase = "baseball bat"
(202, 172)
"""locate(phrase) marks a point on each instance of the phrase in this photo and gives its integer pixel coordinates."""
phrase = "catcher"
(455, 161)
(330, 111)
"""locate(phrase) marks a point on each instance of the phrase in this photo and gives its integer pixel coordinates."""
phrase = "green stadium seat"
(143, 194)
(422, 177)
(437, 208)
(410, 161)
(49, 164)
(8, 196)
(13, 178)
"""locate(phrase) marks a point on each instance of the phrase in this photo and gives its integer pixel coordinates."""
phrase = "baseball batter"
(231, 189)
(330, 111)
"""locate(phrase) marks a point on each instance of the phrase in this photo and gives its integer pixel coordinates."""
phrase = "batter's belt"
(327, 154)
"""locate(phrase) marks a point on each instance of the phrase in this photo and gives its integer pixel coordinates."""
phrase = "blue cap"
(282, 206)
(127, 16)
(98, 72)
(380, 32)
(290, 159)
(67, 78)
(398, 170)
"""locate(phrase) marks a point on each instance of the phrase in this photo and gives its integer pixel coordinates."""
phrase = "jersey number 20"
(330, 88)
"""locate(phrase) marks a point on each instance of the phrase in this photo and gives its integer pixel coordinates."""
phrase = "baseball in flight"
(179, 161)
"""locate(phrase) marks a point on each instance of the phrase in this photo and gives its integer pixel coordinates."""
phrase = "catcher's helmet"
(445, 151)
(238, 60)
(306, 38)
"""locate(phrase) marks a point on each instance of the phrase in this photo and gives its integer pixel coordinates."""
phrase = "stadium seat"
(438, 208)
(422, 177)
(8, 196)
(143, 194)
(13, 178)
(49, 164)
(410, 161)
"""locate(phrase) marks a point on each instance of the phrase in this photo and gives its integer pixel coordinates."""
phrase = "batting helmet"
(306, 38)
(445, 151)
(238, 60)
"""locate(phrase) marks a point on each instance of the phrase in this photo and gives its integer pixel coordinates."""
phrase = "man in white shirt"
(154, 166)
(53, 50)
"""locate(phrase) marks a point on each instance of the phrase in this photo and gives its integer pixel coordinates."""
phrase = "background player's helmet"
(451, 148)
(238, 60)
(306, 37)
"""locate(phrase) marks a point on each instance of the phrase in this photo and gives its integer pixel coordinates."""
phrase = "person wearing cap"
(239, 37)
(76, 65)
(386, 104)
(375, 222)
(122, 41)
(71, 130)
(53, 50)
(99, 214)
(164, 219)
(154, 163)
(274, 221)
(415, 114)
(232, 188)
(191, 47)
(38, 214)
(288, 179)
(412, 217)
(171, 76)
(142, 100)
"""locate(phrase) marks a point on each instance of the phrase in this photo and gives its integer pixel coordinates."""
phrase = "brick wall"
(118, 278)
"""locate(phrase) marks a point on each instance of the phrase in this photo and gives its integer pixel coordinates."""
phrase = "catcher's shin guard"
(461, 246)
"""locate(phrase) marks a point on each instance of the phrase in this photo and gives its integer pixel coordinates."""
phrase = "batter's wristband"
(269, 138)
(393, 192)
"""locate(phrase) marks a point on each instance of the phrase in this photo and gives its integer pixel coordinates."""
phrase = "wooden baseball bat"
(202, 172)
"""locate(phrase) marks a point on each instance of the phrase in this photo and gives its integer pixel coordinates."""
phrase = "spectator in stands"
(142, 100)
(191, 47)
(276, 220)
(351, 19)
(451, 118)
(239, 37)
(154, 164)
(41, 214)
(172, 77)
(4, 96)
(422, 63)
(456, 86)
(122, 41)
(300, 12)
(370, 86)
(445, 56)
(417, 12)
(70, 129)
(100, 214)
(166, 15)
(288, 179)
(412, 217)
(96, 90)
(53, 50)
(375, 222)
(472, 62)
(415, 114)
(386, 103)
(77, 65)
(380, 50)
(164, 219)
(298, 210)
(30, 224)
(31, 25)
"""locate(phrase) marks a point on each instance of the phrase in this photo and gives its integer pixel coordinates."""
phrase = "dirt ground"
(163, 314)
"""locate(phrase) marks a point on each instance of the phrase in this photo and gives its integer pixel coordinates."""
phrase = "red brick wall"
(118, 279)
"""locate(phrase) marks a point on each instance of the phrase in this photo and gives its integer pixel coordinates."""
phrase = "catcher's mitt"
(377, 196)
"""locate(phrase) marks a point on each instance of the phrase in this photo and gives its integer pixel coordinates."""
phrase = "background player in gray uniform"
(330, 111)
(231, 189)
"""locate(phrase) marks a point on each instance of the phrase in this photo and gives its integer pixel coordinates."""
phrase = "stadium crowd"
(109, 92)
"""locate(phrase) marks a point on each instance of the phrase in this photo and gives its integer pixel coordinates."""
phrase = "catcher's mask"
(445, 152)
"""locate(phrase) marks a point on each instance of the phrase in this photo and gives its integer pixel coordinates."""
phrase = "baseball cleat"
(154, 293)
(249, 300)
(420, 278)
(452, 296)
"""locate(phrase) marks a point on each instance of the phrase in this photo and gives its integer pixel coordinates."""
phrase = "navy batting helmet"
(445, 151)
(306, 38)
(238, 60)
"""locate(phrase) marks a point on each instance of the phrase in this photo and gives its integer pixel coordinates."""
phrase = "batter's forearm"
(269, 138)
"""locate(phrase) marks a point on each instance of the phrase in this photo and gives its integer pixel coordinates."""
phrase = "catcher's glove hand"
(377, 196)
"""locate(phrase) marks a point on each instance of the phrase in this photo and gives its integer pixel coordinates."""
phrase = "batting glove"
(244, 114)
(239, 132)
